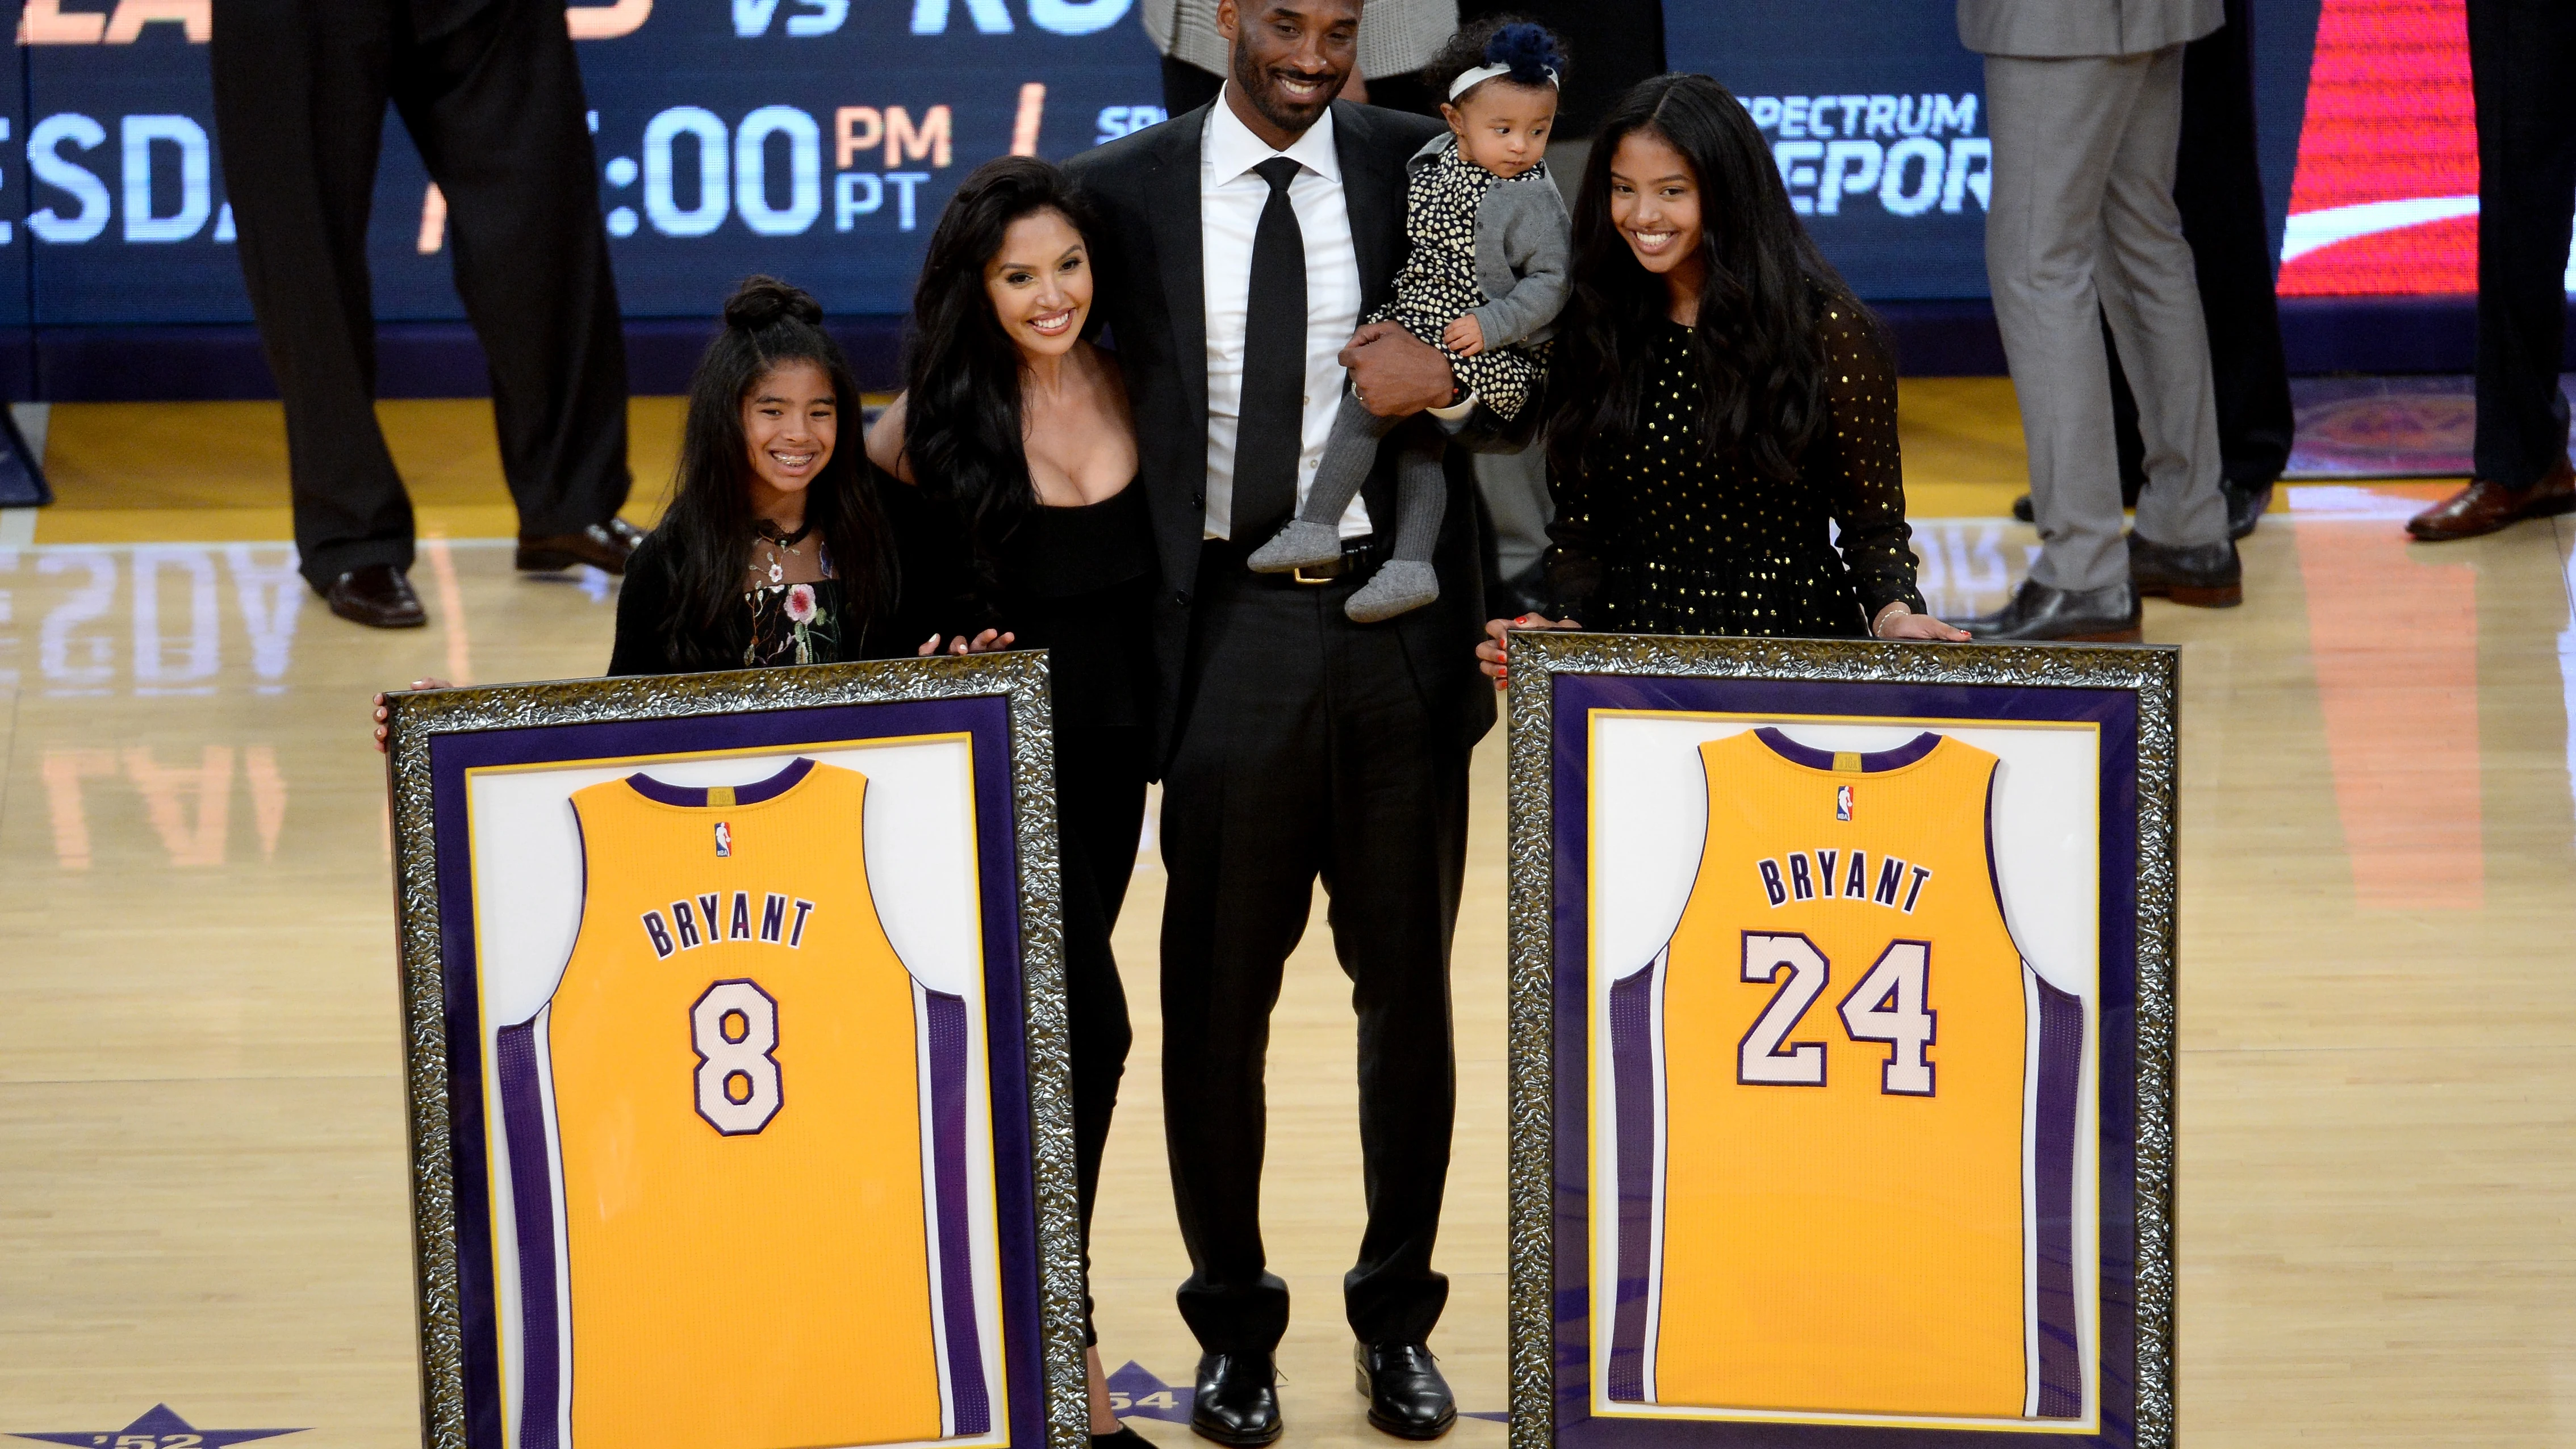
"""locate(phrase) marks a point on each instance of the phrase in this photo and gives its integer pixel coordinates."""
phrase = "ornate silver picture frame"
(1684, 1121)
(523, 821)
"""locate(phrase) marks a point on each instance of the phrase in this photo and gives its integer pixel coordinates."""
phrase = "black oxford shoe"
(1407, 1396)
(1237, 1400)
(603, 546)
(2203, 575)
(2107, 615)
(377, 596)
(2245, 506)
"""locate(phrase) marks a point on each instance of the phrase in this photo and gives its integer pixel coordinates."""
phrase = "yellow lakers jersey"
(737, 1065)
(1847, 1206)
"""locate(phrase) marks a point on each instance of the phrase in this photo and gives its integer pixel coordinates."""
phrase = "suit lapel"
(1172, 203)
(1373, 192)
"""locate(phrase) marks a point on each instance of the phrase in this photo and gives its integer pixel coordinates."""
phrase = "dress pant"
(2083, 227)
(2522, 66)
(492, 97)
(1306, 751)
(2218, 189)
(1100, 809)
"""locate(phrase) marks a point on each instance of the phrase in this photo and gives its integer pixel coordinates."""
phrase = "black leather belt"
(1359, 557)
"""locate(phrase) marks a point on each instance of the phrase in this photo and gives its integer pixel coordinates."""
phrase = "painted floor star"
(158, 1429)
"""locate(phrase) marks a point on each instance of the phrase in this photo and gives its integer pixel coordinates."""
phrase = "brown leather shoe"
(2486, 505)
(603, 546)
(377, 596)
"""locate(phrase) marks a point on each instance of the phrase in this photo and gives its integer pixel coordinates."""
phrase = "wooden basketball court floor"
(202, 1190)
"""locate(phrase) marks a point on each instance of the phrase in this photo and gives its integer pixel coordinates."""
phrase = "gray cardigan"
(1524, 241)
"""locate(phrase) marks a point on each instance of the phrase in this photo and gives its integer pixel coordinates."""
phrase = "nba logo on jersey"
(1842, 809)
(724, 833)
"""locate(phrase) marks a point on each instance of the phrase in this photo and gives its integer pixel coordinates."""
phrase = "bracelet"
(1897, 608)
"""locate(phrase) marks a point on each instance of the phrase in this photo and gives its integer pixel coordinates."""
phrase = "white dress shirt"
(1231, 195)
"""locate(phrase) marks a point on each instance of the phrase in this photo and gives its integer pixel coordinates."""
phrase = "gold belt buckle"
(1299, 574)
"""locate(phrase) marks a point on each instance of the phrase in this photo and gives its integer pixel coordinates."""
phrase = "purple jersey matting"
(986, 720)
(1575, 696)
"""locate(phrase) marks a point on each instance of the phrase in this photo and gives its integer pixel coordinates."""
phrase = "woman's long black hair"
(962, 424)
(1757, 346)
(709, 526)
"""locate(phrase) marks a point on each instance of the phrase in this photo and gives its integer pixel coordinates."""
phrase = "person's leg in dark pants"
(2218, 186)
(1308, 753)
(1397, 853)
(2521, 56)
(300, 88)
(495, 106)
(1245, 822)
(1100, 808)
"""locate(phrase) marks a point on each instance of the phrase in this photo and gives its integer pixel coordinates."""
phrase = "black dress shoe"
(2245, 507)
(2107, 615)
(2204, 575)
(603, 546)
(377, 596)
(1407, 1396)
(1237, 1400)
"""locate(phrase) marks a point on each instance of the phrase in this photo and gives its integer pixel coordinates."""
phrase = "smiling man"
(1242, 243)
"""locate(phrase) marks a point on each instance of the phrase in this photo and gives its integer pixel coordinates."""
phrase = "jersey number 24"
(1886, 1006)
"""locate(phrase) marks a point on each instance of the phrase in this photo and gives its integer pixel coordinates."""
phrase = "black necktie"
(1270, 432)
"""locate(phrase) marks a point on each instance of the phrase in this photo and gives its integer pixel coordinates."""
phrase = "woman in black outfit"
(1018, 425)
(1721, 410)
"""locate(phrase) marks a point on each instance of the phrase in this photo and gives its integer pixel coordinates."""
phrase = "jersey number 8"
(1887, 1006)
(734, 1029)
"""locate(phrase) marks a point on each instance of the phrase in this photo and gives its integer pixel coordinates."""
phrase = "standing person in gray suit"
(2084, 100)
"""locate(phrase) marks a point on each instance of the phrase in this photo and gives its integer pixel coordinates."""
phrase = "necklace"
(774, 538)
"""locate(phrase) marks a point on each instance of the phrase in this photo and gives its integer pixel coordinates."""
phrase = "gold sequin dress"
(1668, 540)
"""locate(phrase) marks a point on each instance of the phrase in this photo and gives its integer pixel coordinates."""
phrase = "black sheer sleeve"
(934, 573)
(1572, 565)
(643, 602)
(1854, 459)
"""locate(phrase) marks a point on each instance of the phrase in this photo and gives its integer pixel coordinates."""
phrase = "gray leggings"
(1421, 488)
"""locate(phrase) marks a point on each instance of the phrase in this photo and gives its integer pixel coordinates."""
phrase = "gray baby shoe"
(1301, 545)
(1398, 586)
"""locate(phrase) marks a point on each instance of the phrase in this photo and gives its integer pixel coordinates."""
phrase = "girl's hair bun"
(761, 301)
(1528, 49)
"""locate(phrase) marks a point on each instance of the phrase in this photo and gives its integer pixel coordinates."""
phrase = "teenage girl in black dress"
(1721, 410)
(779, 545)
(1016, 423)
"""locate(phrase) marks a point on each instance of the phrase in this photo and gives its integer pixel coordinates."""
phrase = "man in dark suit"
(1242, 242)
(492, 97)
(2520, 54)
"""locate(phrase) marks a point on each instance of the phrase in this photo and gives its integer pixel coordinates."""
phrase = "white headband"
(1470, 79)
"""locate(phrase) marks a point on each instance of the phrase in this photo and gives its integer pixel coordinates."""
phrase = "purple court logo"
(157, 1429)
(724, 840)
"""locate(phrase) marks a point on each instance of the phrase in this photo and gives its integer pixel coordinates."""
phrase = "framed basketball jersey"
(748, 1008)
(1837, 1005)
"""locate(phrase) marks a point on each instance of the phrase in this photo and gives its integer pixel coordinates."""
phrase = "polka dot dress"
(1438, 283)
(1665, 539)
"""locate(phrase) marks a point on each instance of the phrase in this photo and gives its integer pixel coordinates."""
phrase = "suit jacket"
(2048, 29)
(1150, 261)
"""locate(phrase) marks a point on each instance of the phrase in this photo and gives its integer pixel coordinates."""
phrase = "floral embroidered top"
(795, 623)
